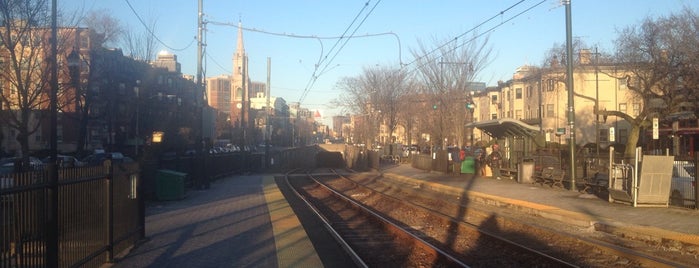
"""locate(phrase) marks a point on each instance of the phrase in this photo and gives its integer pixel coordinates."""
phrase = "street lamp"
(136, 90)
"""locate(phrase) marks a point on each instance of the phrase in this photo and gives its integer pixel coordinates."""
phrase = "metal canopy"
(505, 127)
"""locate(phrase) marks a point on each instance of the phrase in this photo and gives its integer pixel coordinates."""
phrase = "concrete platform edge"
(294, 249)
(558, 214)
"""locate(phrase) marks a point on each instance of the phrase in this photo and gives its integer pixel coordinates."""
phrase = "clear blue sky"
(523, 40)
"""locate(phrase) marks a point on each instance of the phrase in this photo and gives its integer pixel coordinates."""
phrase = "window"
(550, 111)
(622, 107)
(529, 92)
(636, 108)
(604, 135)
(550, 85)
(494, 116)
(622, 83)
(518, 93)
(623, 135)
(518, 114)
(493, 99)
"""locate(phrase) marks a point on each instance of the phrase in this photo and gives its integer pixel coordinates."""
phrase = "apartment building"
(537, 99)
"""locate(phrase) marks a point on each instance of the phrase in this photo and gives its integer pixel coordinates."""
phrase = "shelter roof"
(506, 127)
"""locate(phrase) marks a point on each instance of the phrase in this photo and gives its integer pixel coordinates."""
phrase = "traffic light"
(434, 107)
(470, 105)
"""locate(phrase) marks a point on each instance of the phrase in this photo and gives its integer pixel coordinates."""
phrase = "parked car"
(683, 184)
(9, 163)
(66, 161)
(98, 158)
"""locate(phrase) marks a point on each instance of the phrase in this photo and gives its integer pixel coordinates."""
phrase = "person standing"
(495, 161)
(480, 155)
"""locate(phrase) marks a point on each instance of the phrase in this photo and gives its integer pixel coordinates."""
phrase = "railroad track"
(373, 233)
(574, 245)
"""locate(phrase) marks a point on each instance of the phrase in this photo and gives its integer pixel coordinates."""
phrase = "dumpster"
(169, 184)
(525, 170)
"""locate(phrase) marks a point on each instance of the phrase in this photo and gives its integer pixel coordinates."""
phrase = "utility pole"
(571, 96)
(597, 103)
(269, 110)
(52, 215)
(201, 99)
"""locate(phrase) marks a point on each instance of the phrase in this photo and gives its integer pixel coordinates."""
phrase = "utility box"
(525, 170)
(169, 184)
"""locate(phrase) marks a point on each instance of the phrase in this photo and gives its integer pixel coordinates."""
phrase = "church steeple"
(239, 52)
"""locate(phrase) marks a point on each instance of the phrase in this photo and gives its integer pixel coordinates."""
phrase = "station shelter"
(517, 140)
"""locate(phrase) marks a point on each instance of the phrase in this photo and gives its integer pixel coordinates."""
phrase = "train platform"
(666, 225)
(241, 221)
(251, 220)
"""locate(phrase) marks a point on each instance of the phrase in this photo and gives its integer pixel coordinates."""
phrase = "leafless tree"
(23, 57)
(140, 45)
(448, 71)
(377, 96)
(106, 30)
(660, 58)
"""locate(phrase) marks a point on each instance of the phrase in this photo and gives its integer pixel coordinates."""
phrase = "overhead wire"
(150, 31)
(314, 76)
(491, 29)
(502, 12)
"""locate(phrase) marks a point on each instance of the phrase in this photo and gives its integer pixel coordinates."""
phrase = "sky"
(386, 33)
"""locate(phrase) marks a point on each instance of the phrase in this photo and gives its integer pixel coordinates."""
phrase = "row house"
(533, 105)
(105, 99)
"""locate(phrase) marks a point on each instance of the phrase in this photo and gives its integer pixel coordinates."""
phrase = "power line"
(314, 77)
(481, 34)
(319, 38)
(208, 56)
(463, 34)
(150, 31)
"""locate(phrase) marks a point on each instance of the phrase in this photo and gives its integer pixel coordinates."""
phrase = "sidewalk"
(241, 221)
(676, 224)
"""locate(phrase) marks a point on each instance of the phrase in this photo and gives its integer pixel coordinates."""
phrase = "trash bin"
(525, 170)
(468, 166)
(169, 184)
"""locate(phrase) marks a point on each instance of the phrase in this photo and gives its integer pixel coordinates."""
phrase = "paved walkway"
(242, 221)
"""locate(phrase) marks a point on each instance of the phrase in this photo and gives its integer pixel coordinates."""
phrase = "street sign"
(560, 131)
(656, 132)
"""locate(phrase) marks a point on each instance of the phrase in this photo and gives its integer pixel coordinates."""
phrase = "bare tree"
(660, 58)
(140, 46)
(23, 54)
(378, 95)
(448, 72)
(106, 30)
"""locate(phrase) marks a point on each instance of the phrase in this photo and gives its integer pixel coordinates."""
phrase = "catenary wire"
(150, 31)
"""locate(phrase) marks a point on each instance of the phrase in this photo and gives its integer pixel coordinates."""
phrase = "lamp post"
(137, 138)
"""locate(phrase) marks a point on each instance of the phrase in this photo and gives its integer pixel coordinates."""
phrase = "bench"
(596, 183)
(544, 176)
(557, 178)
(508, 172)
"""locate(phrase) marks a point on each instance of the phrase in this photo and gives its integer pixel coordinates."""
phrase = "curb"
(644, 233)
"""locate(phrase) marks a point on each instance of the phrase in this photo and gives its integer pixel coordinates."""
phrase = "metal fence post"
(696, 187)
(110, 210)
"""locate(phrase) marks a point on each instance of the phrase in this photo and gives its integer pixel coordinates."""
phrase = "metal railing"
(100, 212)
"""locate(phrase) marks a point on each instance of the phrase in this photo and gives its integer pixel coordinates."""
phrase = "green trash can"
(468, 166)
(169, 185)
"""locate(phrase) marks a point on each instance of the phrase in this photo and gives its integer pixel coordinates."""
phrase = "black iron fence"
(99, 213)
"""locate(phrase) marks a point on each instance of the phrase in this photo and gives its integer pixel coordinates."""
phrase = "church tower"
(240, 95)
